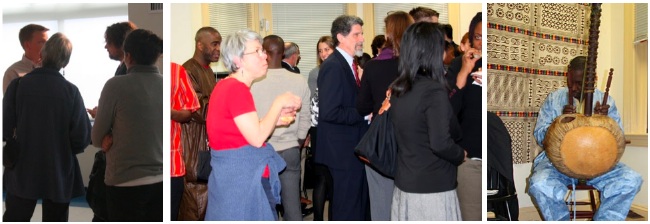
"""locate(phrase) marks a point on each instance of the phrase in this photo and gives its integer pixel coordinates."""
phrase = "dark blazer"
(340, 126)
(291, 69)
(427, 156)
(52, 128)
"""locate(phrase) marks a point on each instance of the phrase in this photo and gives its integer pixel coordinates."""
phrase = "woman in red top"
(237, 135)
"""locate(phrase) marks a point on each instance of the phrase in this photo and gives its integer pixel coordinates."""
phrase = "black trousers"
(21, 210)
(135, 204)
(349, 195)
(177, 188)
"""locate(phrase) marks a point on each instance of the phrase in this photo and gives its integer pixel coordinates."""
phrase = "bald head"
(274, 46)
(207, 45)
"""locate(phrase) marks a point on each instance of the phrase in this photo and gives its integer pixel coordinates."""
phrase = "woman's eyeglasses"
(259, 51)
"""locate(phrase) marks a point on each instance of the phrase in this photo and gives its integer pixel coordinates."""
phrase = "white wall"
(153, 21)
(610, 52)
(185, 21)
(634, 157)
(467, 12)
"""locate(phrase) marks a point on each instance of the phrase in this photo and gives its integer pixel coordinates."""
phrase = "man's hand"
(568, 109)
(107, 142)
(92, 112)
(601, 109)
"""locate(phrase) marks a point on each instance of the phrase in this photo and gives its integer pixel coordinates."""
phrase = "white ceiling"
(35, 11)
(11, 9)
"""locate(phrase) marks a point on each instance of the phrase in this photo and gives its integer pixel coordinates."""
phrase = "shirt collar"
(30, 62)
(347, 57)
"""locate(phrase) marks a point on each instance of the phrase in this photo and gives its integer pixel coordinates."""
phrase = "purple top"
(385, 54)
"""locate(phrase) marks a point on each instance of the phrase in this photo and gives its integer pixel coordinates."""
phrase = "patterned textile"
(183, 98)
(529, 48)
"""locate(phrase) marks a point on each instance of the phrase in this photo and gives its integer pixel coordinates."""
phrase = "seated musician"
(548, 186)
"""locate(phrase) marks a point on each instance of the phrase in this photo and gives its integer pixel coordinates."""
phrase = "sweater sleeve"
(105, 113)
(305, 114)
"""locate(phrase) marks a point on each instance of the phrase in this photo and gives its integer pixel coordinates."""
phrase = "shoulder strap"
(386, 104)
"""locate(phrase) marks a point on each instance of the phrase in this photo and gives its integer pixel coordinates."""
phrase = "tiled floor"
(531, 214)
(79, 212)
(311, 216)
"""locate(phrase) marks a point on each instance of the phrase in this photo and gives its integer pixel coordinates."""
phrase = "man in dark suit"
(340, 125)
(291, 57)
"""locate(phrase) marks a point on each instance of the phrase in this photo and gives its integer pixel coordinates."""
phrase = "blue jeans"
(548, 187)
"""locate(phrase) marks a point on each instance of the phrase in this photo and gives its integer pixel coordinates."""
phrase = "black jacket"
(52, 128)
(427, 156)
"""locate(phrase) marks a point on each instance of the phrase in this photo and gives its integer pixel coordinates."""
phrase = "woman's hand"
(107, 142)
(289, 100)
(290, 104)
(469, 61)
(287, 116)
(92, 112)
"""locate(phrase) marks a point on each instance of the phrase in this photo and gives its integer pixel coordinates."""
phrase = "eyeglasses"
(259, 51)
(478, 36)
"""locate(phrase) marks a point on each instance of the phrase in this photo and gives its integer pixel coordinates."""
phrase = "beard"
(207, 55)
(358, 50)
(113, 57)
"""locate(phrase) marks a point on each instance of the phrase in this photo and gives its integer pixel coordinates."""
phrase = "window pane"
(11, 49)
(304, 24)
(89, 66)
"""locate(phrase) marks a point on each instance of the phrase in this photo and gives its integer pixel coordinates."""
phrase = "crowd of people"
(47, 116)
(251, 125)
(236, 142)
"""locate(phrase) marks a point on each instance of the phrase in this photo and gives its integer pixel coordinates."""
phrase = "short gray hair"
(234, 46)
(290, 48)
(56, 52)
(343, 25)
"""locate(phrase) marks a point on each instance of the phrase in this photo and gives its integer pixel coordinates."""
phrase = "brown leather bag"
(194, 202)
(195, 195)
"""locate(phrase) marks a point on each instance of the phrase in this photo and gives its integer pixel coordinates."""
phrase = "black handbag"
(378, 147)
(11, 149)
(203, 168)
(96, 192)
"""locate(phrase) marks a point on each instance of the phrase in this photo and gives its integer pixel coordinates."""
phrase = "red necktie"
(356, 73)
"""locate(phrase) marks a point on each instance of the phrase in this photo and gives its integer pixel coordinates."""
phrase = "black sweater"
(427, 158)
(467, 103)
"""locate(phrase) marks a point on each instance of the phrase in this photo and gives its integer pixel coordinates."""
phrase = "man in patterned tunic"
(548, 186)
(207, 50)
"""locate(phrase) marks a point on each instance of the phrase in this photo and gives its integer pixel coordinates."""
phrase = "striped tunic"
(183, 97)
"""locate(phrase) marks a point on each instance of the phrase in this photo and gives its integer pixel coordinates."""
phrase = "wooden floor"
(531, 214)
